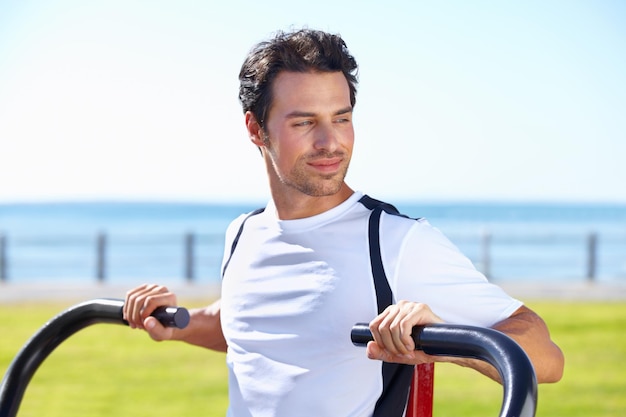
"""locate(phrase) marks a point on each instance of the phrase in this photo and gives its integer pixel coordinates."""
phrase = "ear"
(255, 132)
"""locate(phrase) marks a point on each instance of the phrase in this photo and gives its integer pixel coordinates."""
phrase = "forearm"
(204, 328)
(531, 333)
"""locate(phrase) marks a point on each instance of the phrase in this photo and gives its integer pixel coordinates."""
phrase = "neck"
(291, 207)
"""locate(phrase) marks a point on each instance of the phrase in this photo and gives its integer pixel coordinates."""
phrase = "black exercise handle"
(53, 333)
(515, 369)
(172, 316)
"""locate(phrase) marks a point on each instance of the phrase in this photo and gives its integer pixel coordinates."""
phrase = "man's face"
(308, 135)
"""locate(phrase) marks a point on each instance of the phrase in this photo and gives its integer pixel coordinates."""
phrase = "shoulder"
(414, 249)
(233, 228)
(414, 231)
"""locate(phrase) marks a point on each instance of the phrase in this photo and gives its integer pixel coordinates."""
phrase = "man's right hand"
(141, 302)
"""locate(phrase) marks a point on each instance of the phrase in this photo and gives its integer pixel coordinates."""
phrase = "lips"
(326, 161)
(326, 164)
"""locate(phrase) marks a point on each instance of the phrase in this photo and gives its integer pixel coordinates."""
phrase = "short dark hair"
(303, 50)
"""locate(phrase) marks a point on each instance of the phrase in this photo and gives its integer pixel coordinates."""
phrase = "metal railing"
(104, 256)
(193, 255)
(581, 251)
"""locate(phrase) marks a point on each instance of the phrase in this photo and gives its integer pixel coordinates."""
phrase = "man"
(299, 275)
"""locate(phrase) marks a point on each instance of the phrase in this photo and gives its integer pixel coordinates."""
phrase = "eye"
(303, 123)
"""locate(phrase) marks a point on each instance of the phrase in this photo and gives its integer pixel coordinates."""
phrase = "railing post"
(486, 253)
(592, 253)
(189, 256)
(3, 258)
(101, 249)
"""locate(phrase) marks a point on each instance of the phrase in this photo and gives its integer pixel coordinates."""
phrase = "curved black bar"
(53, 333)
(515, 369)
(172, 316)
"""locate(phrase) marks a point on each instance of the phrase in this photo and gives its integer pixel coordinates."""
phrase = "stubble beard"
(298, 178)
(316, 185)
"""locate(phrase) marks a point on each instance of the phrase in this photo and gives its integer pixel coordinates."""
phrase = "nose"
(326, 137)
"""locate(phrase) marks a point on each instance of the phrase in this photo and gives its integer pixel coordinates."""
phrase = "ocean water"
(148, 242)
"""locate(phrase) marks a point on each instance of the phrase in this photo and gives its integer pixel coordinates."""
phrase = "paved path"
(568, 292)
(11, 292)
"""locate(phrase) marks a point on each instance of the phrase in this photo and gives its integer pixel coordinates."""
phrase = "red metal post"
(421, 395)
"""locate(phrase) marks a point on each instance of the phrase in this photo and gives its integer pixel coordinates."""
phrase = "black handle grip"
(361, 334)
(172, 316)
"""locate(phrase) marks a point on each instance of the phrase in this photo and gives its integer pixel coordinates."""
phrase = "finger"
(413, 314)
(412, 317)
(375, 352)
(136, 300)
(130, 307)
(396, 324)
(401, 329)
(382, 331)
(406, 336)
(152, 301)
(156, 330)
(374, 325)
(395, 328)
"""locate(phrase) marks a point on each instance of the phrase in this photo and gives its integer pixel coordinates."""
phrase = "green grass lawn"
(109, 370)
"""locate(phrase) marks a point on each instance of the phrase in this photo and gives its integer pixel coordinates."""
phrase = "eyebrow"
(296, 113)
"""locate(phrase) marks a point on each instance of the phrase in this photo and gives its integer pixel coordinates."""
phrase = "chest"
(298, 287)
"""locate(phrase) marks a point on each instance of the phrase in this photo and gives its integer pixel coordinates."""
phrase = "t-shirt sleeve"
(430, 269)
(229, 237)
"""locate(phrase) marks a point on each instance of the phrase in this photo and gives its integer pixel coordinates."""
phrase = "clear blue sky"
(458, 100)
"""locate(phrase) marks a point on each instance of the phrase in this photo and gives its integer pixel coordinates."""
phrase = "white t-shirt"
(293, 289)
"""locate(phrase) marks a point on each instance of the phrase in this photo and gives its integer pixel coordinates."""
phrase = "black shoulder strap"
(384, 296)
(396, 377)
(236, 240)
